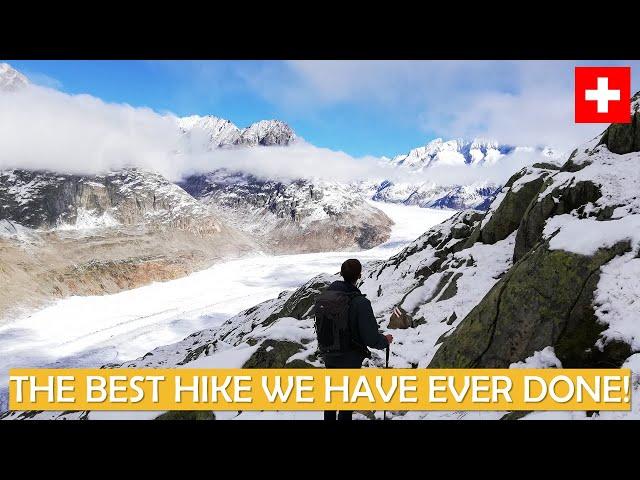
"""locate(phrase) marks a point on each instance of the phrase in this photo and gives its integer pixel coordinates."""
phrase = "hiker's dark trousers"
(348, 361)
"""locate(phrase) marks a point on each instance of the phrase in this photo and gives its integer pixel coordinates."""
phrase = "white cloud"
(45, 129)
(41, 128)
(539, 110)
(307, 161)
(515, 102)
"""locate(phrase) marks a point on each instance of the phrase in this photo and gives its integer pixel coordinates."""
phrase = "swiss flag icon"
(603, 94)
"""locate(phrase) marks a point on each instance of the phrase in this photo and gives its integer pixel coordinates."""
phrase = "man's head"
(351, 270)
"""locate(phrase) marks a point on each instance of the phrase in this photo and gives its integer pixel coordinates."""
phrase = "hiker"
(346, 326)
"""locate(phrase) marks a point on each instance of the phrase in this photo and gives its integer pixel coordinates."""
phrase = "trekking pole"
(386, 365)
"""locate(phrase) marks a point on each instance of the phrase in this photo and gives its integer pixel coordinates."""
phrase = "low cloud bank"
(44, 129)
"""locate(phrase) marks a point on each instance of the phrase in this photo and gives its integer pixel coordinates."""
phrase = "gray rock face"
(624, 138)
(238, 190)
(508, 214)
(47, 200)
(295, 216)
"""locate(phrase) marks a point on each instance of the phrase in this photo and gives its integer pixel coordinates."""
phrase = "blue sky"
(361, 108)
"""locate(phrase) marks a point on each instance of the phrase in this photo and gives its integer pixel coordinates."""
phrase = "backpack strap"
(352, 296)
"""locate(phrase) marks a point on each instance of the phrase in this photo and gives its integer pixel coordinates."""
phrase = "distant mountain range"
(210, 133)
(134, 217)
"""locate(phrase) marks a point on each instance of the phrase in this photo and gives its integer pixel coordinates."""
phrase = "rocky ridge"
(292, 216)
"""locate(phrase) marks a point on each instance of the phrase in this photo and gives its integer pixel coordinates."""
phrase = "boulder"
(623, 138)
(273, 354)
(400, 319)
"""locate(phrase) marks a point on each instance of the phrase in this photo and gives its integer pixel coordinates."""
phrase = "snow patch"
(586, 236)
(617, 300)
(89, 220)
(545, 358)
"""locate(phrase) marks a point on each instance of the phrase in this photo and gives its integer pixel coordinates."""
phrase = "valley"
(89, 330)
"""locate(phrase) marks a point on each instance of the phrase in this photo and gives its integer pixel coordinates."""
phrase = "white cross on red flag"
(603, 94)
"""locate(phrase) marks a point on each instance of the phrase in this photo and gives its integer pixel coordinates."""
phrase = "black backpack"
(332, 321)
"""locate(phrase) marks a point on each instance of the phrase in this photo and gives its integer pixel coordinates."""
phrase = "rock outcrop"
(293, 217)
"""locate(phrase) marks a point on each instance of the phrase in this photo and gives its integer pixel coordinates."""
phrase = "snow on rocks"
(545, 358)
(617, 300)
(433, 195)
(209, 131)
(586, 236)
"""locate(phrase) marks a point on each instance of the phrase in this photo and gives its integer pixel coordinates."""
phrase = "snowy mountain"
(213, 132)
(477, 195)
(476, 153)
(266, 133)
(452, 152)
(10, 79)
(292, 216)
(548, 277)
(296, 215)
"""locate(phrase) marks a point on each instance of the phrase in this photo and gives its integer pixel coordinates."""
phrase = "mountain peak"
(219, 131)
(11, 79)
(224, 133)
(457, 151)
(267, 132)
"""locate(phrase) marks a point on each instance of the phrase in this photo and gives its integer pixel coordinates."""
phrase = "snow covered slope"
(128, 324)
(477, 195)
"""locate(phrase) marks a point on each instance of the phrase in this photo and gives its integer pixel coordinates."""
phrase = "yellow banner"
(319, 389)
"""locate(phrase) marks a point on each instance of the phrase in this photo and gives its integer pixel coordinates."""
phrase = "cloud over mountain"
(42, 128)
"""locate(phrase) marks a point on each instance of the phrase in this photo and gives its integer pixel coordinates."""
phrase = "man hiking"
(346, 326)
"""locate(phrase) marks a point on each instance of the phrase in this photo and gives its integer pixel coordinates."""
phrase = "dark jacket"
(364, 331)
